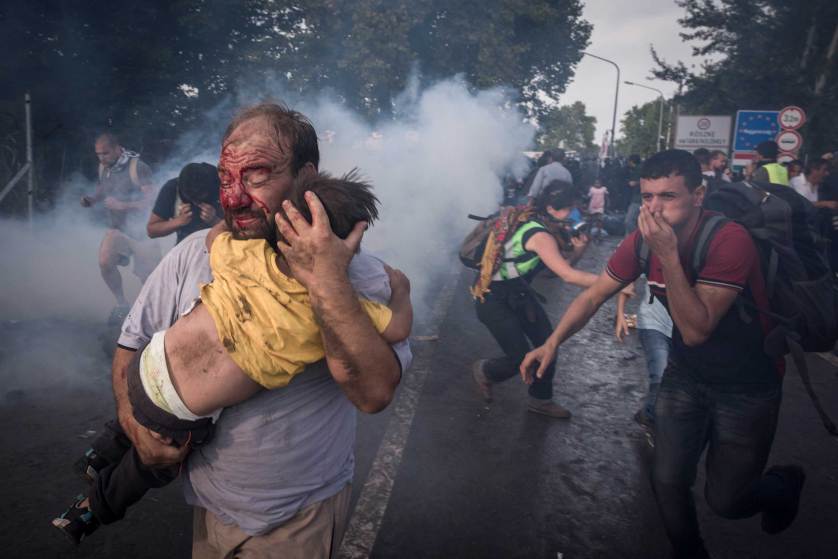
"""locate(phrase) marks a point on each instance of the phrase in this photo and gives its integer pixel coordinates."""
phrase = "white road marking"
(375, 495)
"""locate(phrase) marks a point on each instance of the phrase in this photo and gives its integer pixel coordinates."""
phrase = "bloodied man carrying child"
(310, 278)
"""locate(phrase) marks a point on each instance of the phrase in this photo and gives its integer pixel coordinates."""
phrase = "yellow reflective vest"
(777, 173)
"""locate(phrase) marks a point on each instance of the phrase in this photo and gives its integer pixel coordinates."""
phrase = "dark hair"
(716, 153)
(815, 164)
(634, 158)
(794, 162)
(348, 199)
(558, 155)
(198, 183)
(768, 149)
(543, 159)
(557, 195)
(109, 137)
(292, 131)
(703, 156)
(673, 162)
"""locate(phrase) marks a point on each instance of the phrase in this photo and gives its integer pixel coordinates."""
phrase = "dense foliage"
(567, 126)
(639, 128)
(151, 70)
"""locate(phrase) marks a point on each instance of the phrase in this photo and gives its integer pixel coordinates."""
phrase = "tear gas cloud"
(441, 159)
(438, 161)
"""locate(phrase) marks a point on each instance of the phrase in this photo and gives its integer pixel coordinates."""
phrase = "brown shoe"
(548, 408)
(484, 385)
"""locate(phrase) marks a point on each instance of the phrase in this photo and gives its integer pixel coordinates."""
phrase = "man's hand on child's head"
(314, 253)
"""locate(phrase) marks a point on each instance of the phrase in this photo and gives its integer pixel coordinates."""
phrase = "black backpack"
(801, 288)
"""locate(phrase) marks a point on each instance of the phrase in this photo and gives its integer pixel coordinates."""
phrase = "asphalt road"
(440, 473)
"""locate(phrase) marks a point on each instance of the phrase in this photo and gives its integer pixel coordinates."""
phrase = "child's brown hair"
(347, 199)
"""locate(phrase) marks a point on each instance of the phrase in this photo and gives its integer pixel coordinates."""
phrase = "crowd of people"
(243, 360)
(712, 383)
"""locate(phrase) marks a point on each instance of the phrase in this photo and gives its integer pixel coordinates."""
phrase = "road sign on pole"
(791, 118)
(789, 140)
(702, 131)
(753, 127)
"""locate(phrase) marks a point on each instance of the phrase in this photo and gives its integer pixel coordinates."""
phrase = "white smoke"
(439, 160)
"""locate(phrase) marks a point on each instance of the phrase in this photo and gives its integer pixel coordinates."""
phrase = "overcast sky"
(623, 32)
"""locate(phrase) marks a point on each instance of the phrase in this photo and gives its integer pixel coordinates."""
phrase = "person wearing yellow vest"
(510, 309)
(768, 170)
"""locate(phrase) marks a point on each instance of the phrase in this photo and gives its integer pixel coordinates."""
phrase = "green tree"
(639, 128)
(567, 126)
(154, 71)
(763, 54)
(366, 49)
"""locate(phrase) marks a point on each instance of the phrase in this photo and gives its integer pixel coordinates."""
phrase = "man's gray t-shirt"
(116, 181)
(547, 174)
(281, 450)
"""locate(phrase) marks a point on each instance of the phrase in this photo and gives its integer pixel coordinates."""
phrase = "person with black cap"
(187, 203)
(767, 168)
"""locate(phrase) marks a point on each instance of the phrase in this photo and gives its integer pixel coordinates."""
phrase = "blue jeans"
(656, 346)
(736, 424)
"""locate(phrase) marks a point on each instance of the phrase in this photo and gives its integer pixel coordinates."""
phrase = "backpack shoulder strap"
(132, 171)
(642, 251)
(708, 230)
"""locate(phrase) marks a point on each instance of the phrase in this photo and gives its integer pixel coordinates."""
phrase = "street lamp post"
(616, 96)
(660, 118)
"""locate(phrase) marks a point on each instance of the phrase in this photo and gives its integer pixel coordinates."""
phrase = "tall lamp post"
(660, 118)
(616, 96)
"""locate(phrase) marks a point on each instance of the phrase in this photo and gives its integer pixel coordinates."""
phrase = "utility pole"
(616, 97)
(29, 163)
(660, 117)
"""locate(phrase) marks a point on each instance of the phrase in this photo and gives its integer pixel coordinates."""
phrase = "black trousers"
(125, 479)
(736, 424)
(516, 320)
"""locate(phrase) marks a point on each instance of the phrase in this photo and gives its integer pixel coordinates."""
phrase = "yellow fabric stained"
(263, 318)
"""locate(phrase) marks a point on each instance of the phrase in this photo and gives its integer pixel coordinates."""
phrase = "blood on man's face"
(255, 178)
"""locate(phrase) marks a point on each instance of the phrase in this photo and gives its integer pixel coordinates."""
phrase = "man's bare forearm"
(688, 312)
(359, 358)
(122, 359)
(574, 319)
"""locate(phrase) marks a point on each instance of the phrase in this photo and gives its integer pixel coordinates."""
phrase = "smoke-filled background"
(439, 160)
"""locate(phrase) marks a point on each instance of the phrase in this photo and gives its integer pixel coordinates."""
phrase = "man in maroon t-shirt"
(720, 390)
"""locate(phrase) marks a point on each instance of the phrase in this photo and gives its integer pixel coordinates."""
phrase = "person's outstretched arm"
(574, 319)
(547, 249)
(361, 362)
